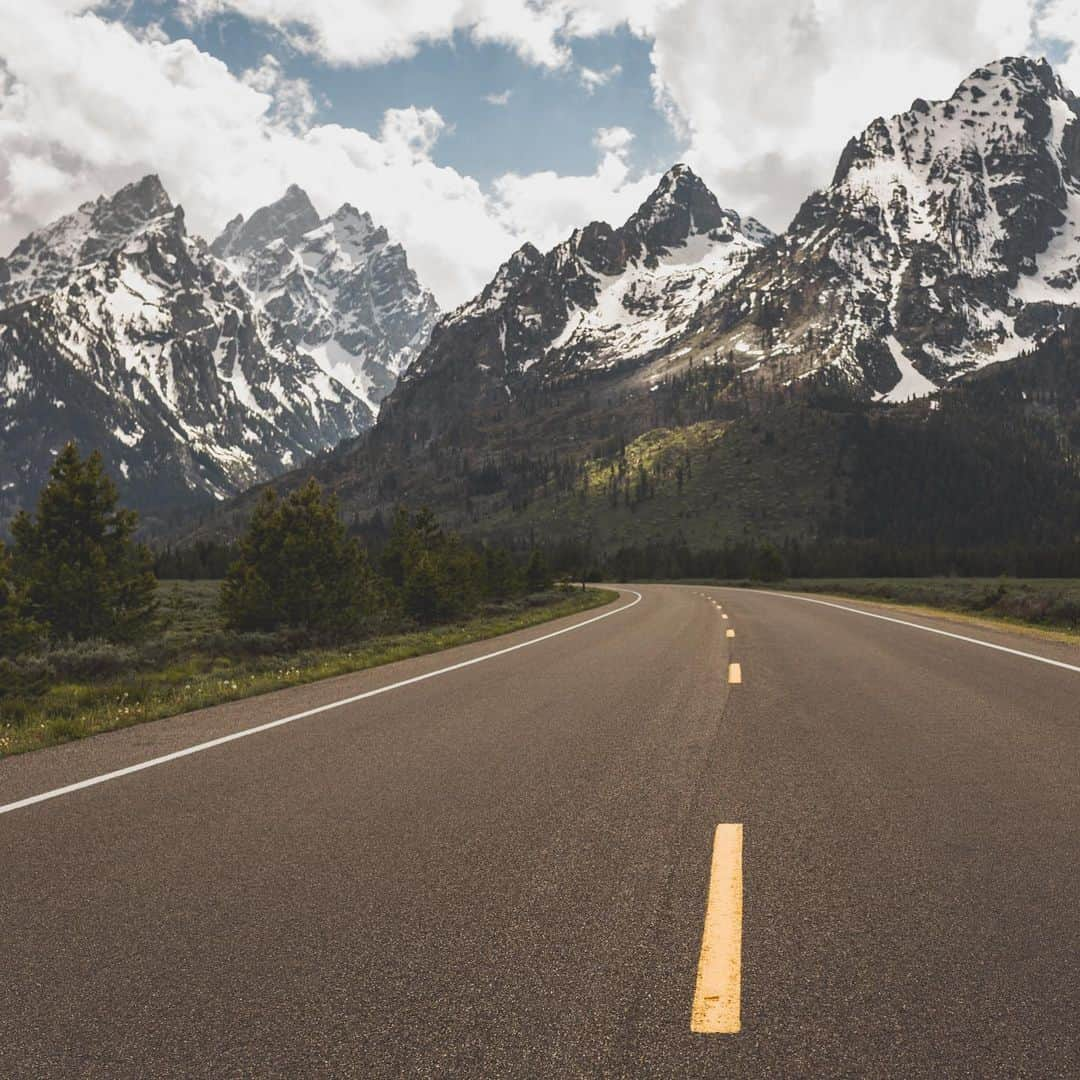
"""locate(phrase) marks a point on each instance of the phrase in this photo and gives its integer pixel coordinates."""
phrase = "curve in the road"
(210, 744)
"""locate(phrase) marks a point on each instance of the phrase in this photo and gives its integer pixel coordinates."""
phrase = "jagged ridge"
(338, 286)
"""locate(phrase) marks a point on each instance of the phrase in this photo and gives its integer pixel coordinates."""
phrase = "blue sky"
(548, 122)
(385, 104)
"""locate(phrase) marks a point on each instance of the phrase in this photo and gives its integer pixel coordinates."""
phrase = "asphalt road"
(503, 870)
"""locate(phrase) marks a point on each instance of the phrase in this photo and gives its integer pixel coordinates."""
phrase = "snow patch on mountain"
(161, 351)
(339, 287)
(952, 229)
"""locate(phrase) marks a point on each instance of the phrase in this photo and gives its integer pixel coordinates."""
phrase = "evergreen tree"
(537, 573)
(503, 578)
(298, 567)
(16, 630)
(85, 575)
(768, 564)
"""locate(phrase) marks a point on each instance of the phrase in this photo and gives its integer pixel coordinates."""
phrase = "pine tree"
(17, 632)
(537, 573)
(503, 579)
(298, 567)
(85, 575)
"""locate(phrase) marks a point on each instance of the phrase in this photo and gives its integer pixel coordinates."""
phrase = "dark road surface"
(502, 870)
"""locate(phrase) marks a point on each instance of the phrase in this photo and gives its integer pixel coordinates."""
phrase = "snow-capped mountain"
(339, 287)
(121, 330)
(949, 239)
(89, 233)
(603, 298)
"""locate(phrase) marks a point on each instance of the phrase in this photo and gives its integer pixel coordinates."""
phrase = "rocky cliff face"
(121, 330)
(605, 298)
(948, 239)
(340, 289)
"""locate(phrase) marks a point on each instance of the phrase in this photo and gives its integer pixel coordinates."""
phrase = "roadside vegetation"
(90, 640)
(1041, 602)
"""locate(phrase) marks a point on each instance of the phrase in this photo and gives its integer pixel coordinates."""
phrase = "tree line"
(76, 571)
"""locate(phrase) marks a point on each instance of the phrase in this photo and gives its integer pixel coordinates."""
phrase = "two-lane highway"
(512, 867)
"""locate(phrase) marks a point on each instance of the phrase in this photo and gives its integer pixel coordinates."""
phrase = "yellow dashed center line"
(717, 995)
(734, 673)
(730, 633)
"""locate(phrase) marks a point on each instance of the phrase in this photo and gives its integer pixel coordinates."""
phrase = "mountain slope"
(949, 239)
(338, 286)
(87, 234)
(735, 378)
(604, 300)
(129, 334)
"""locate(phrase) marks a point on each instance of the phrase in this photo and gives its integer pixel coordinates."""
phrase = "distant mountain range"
(947, 242)
(197, 370)
(622, 360)
(343, 292)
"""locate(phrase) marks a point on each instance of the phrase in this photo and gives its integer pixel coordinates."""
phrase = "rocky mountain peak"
(137, 340)
(949, 239)
(40, 260)
(680, 206)
(602, 298)
(287, 220)
(356, 228)
(339, 288)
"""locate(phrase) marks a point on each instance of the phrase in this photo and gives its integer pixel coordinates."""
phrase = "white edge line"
(198, 748)
(919, 626)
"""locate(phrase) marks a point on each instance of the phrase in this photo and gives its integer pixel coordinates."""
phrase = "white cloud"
(87, 105)
(376, 31)
(499, 99)
(592, 79)
(1059, 21)
(293, 101)
(615, 140)
(545, 207)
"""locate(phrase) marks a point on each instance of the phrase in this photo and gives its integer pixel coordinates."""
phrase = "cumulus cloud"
(763, 97)
(614, 140)
(592, 79)
(545, 207)
(377, 31)
(1058, 22)
(293, 100)
(87, 105)
(502, 98)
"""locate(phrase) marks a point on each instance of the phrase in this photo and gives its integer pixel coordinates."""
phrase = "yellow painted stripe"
(730, 633)
(718, 993)
(734, 673)
(724, 616)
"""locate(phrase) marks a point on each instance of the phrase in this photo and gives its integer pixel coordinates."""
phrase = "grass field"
(1041, 602)
(192, 662)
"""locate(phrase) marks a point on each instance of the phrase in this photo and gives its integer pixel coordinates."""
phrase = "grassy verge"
(1048, 605)
(203, 668)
